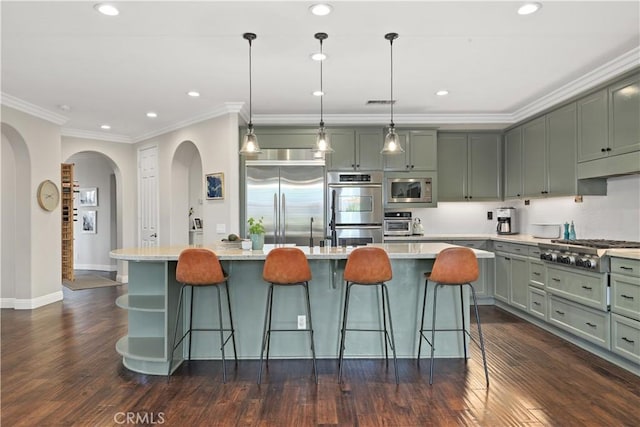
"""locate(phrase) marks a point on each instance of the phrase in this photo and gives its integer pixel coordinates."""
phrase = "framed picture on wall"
(88, 197)
(214, 183)
(89, 222)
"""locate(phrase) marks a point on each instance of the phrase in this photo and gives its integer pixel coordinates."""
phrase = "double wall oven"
(355, 211)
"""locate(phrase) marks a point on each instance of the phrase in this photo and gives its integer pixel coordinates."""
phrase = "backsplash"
(614, 216)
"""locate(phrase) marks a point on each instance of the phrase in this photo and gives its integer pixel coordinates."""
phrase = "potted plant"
(256, 232)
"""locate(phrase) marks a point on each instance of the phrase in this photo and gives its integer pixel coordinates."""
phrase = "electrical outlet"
(302, 322)
(578, 199)
(489, 215)
(527, 202)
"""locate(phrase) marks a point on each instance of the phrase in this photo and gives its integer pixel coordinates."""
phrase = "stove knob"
(548, 256)
(567, 259)
(583, 262)
(591, 263)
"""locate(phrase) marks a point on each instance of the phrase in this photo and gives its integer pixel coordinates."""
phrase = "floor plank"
(60, 367)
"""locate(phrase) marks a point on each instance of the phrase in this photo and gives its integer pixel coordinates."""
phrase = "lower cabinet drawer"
(585, 322)
(625, 337)
(582, 287)
(625, 296)
(537, 276)
(538, 302)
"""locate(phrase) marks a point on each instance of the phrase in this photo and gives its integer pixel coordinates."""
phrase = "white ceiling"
(498, 66)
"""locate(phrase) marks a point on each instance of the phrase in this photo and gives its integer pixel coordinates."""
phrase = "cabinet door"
(344, 151)
(561, 159)
(519, 282)
(398, 162)
(503, 277)
(369, 144)
(452, 167)
(484, 167)
(423, 150)
(624, 116)
(593, 129)
(534, 158)
(513, 163)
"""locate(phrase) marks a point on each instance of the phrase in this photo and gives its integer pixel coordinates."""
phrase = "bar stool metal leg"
(464, 328)
(222, 342)
(344, 330)
(424, 305)
(193, 291)
(175, 332)
(384, 324)
(393, 342)
(433, 332)
(233, 330)
(484, 356)
(267, 317)
(313, 349)
(270, 317)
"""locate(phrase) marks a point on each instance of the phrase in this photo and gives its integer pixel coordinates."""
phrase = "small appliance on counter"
(418, 228)
(507, 221)
(398, 223)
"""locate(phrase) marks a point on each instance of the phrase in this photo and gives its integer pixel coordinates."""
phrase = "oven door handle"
(361, 227)
(355, 185)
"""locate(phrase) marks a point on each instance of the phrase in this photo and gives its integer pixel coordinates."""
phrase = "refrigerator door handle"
(275, 218)
(283, 214)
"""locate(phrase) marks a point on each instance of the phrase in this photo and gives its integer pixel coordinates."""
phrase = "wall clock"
(48, 195)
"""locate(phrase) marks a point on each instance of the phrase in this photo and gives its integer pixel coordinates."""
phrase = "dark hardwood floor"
(60, 367)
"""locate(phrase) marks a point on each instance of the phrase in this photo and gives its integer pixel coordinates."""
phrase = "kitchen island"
(153, 295)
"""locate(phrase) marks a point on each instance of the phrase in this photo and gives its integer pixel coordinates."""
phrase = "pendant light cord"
(321, 90)
(250, 88)
(391, 43)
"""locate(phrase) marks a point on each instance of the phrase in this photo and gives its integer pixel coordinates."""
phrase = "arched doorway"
(186, 191)
(15, 246)
(97, 174)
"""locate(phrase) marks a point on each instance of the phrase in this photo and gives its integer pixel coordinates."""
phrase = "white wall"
(42, 237)
(614, 216)
(216, 141)
(92, 170)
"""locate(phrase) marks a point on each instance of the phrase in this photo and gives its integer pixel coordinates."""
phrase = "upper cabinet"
(593, 126)
(513, 163)
(469, 166)
(420, 152)
(355, 150)
(534, 164)
(624, 116)
(561, 151)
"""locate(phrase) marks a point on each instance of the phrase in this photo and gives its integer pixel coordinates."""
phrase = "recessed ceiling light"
(152, 114)
(193, 94)
(319, 56)
(318, 93)
(529, 8)
(321, 9)
(106, 9)
(64, 107)
(105, 127)
(442, 92)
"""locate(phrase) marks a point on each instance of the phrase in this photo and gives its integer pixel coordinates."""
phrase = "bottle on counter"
(566, 231)
(572, 232)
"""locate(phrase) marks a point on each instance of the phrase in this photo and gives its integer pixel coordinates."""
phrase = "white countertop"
(395, 250)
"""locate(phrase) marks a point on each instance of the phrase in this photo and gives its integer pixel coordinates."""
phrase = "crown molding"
(602, 74)
(379, 119)
(32, 109)
(87, 134)
(225, 108)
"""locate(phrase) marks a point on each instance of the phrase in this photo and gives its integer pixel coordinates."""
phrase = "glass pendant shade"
(322, 138)
(323, 145)
(392, 143)
(250, 143)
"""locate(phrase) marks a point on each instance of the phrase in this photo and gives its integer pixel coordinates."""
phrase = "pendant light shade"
(323, 145)
(250, 141)
(391, 141)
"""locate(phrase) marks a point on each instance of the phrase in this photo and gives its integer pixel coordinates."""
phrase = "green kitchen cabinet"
(513, 163)
(355, 150)
(519, 282)
(502, 276)
(593, 126)
(534, 165)
(561, 144)
(469, 166)
(420, 152)
(624, 116)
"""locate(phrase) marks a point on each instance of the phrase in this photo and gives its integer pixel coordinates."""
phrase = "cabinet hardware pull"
(536, 303)
(358, 165)
(507, 258)
(587, 287)
(555, 279)
(590, 324)
(608, 148)
(603, 150)
(626, 268)
(560, 312)
(536, 273)
(518, 249)
(626, 296)
(628, 340)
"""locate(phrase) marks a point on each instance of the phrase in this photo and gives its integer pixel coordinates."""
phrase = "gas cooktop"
(599, 243)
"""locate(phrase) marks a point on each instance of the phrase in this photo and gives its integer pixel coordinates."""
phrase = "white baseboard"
(30, 304)
(122, 278)
(98, 267)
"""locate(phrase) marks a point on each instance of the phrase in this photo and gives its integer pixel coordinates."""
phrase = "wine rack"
(68, 217)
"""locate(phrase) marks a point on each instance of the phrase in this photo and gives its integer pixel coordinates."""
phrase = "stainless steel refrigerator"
(287, 195)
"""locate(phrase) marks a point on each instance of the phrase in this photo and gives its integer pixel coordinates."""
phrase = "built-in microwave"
(408, 189)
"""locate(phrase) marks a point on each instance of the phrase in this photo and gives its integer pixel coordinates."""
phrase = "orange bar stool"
(369, 266)
(453, 267)
(285, 267)
(197, 268)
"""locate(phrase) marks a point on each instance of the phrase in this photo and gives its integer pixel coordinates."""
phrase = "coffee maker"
(507, 221)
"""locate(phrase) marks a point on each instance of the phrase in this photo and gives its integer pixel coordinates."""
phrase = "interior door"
(148, 200)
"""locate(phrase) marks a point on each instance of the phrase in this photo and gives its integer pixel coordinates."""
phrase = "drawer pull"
(590, 324)
(628, 340)
(626, 296)
(536, 303)
(507, 258)
(561, 313)
(589, 288)
(626, 268)
(555, 279)
(536, 273)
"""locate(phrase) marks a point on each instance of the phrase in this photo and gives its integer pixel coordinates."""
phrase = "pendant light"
(391, 141)
(250, 141)
(322, 139)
